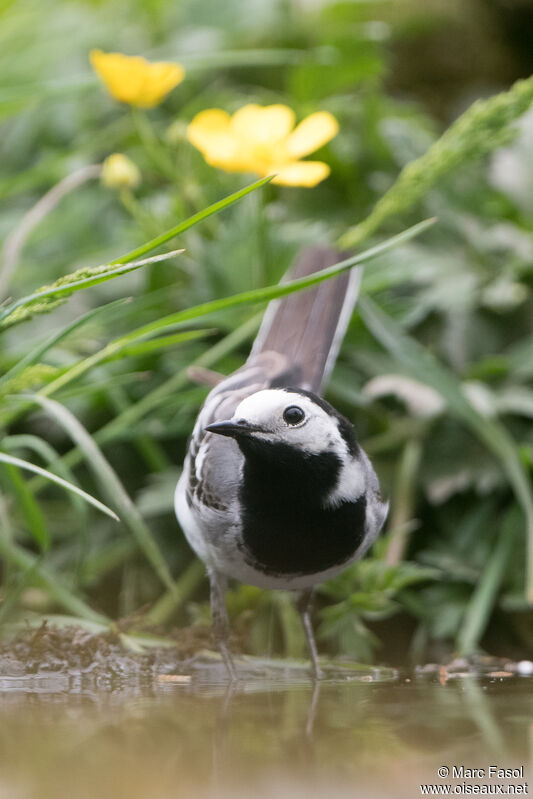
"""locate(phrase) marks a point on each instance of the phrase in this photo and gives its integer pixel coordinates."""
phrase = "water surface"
(152, 739)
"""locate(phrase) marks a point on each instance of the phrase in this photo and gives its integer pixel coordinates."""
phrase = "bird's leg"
(219, 617)
(304, 603)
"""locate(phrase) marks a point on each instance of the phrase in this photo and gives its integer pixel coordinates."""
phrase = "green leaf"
(292, 633)
(422, 365)
(485, 594)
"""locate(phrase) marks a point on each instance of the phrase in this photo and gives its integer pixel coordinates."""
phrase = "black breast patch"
(286, 530)
(277, 542)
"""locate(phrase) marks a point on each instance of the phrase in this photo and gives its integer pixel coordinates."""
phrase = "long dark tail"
(308, 327)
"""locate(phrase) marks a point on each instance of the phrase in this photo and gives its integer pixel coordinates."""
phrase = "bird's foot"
(316, 672)
(227, 657)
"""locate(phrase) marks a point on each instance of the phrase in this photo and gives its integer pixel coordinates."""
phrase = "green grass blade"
(29, 379)
(25, 307)
(110, 484)
(160, 343)
(191, 221)
(95, 567)
(422, 365)
(120, 347)
(31, 467)
(282, 289)
(50, 456)
(35, 355)
(29, 507)
(480, 130)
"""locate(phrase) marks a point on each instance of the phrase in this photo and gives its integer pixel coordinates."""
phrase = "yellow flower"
(263, 139)
(134, 80)
(119, 172)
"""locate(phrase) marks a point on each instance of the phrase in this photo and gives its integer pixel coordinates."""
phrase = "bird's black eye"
(293, 414)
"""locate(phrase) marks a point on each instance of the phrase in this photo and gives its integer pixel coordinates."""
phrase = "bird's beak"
(234, 429)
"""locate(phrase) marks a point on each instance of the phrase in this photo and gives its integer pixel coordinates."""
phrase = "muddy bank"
(67, 658)
(50, 650)
(83, 660)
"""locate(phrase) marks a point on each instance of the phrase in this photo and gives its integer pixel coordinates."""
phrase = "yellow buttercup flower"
(263, 139)
(134, 80)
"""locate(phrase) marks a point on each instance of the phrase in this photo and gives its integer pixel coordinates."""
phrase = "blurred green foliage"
(436, 373)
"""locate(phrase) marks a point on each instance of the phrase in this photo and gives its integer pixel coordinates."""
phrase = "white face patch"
(316, 432)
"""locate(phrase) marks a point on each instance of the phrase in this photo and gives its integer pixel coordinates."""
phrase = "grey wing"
(214, 463)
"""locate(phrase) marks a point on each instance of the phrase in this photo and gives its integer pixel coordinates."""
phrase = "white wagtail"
(275, 491)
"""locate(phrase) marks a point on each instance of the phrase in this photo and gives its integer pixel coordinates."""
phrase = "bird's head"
(297, 443)
(287, 417)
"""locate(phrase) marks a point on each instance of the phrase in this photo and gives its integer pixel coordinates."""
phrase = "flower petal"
(210, 132)
(301, 173)
(263, 124)
(312, 133)
(206, 126)
(133, 79)
(159, 80)
(121, 75)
